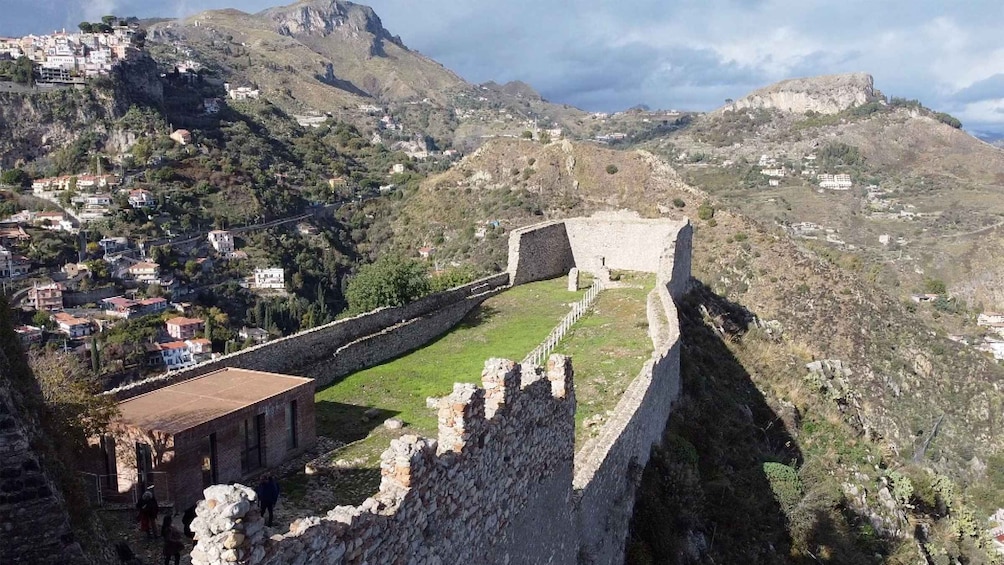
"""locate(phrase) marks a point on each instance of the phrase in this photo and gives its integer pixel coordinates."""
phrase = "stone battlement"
(503, 454)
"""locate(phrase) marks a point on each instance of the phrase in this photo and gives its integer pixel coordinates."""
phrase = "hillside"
(910, 402)
(926, 201)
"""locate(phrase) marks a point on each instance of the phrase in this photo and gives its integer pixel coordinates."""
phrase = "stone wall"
(615, 240)
(34, 525)
(608, 467)
(336, 349)
(494, 488)
(623, 241)
(539, 252)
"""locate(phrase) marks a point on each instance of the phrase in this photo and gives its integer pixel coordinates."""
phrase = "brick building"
(227, 425)
(46, 296)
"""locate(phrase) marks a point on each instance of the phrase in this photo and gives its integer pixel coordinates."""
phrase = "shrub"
(679, 203)
(784, 483)
(706, 211)
(612, 169)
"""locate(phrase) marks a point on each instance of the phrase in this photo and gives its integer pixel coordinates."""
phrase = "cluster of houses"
(241, 92)
(770, 167)
(996, 523)
(62, 55)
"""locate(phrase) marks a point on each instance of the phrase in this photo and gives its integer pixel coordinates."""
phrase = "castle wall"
(33, 514)
(608, 467)
(502, 484)
(306, 353)
(623, 241)
(539, 252)
(495, 488)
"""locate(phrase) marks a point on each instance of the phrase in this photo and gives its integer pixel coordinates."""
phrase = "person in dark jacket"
(148, 509)
(172, 542)
(268, 496)
(186, 520)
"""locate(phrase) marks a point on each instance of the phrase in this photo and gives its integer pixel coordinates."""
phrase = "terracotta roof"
(69, 319)
(183, 321)
(187, 404)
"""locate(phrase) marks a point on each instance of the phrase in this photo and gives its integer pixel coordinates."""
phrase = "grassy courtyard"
(508, 325)
(608, 346)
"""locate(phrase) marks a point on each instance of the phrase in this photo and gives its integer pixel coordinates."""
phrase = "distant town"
(68, 56)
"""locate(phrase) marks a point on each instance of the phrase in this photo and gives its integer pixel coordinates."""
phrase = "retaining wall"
(336, 349)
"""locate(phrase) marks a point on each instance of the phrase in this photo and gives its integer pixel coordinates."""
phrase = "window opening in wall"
(207, 453)
(144, 465)
(251, 454)
(291, 441)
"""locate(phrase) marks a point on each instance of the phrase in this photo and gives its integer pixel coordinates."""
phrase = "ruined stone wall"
(623, 240)
(608, 467)
(500, 485)
(494, 488)
(333, 350)
(539, 252)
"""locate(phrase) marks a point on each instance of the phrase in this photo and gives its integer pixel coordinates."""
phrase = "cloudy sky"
(685, 54)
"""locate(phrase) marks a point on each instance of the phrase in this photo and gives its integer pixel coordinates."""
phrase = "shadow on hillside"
(705, 495)
(348, 422)
(480, 315)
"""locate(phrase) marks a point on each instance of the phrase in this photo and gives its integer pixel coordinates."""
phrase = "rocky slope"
(319, 54)
(940, 190)
(823, 94)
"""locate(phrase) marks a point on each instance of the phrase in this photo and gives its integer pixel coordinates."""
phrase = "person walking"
(172, 542)
(268, 496)
(148, 509)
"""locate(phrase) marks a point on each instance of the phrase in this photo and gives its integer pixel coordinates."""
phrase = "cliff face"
(824, 94)
(325, 17)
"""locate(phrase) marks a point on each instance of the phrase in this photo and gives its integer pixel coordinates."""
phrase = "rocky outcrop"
(828, 94)
(325, 17)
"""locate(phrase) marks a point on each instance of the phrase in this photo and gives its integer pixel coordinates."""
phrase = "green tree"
(41, 319)
(390, 281)
(85, 27)
(95, 356)
(24, 71)
(15, 177)
(935, 286)
(108, 20)
(72, 394)
(612, 169)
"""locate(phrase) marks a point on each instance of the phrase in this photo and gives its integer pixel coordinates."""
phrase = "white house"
(835, 182)
(140, 198)
(145, 272)
(72, 326)
(990, 318)
(273, 278)
(222, 241)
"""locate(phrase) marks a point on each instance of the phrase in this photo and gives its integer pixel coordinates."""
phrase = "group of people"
(268, 495)
(173, 542)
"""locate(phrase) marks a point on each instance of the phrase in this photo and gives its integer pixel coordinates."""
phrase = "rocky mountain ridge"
(828, 94)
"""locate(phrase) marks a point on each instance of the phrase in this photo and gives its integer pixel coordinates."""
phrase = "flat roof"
(187, 404)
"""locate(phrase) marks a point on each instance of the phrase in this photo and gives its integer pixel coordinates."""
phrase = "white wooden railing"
(540, 353)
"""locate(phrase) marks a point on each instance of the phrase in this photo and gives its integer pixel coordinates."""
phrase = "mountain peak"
(320, 18)
(827, 94)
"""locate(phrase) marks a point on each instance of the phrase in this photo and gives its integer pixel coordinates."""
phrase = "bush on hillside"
(612, 169)
(784, 483)
(390, 281)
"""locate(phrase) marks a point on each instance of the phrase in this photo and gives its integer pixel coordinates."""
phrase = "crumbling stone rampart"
(494, 488)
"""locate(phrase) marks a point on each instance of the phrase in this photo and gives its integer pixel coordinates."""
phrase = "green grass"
(508, 325)
(608, 347)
